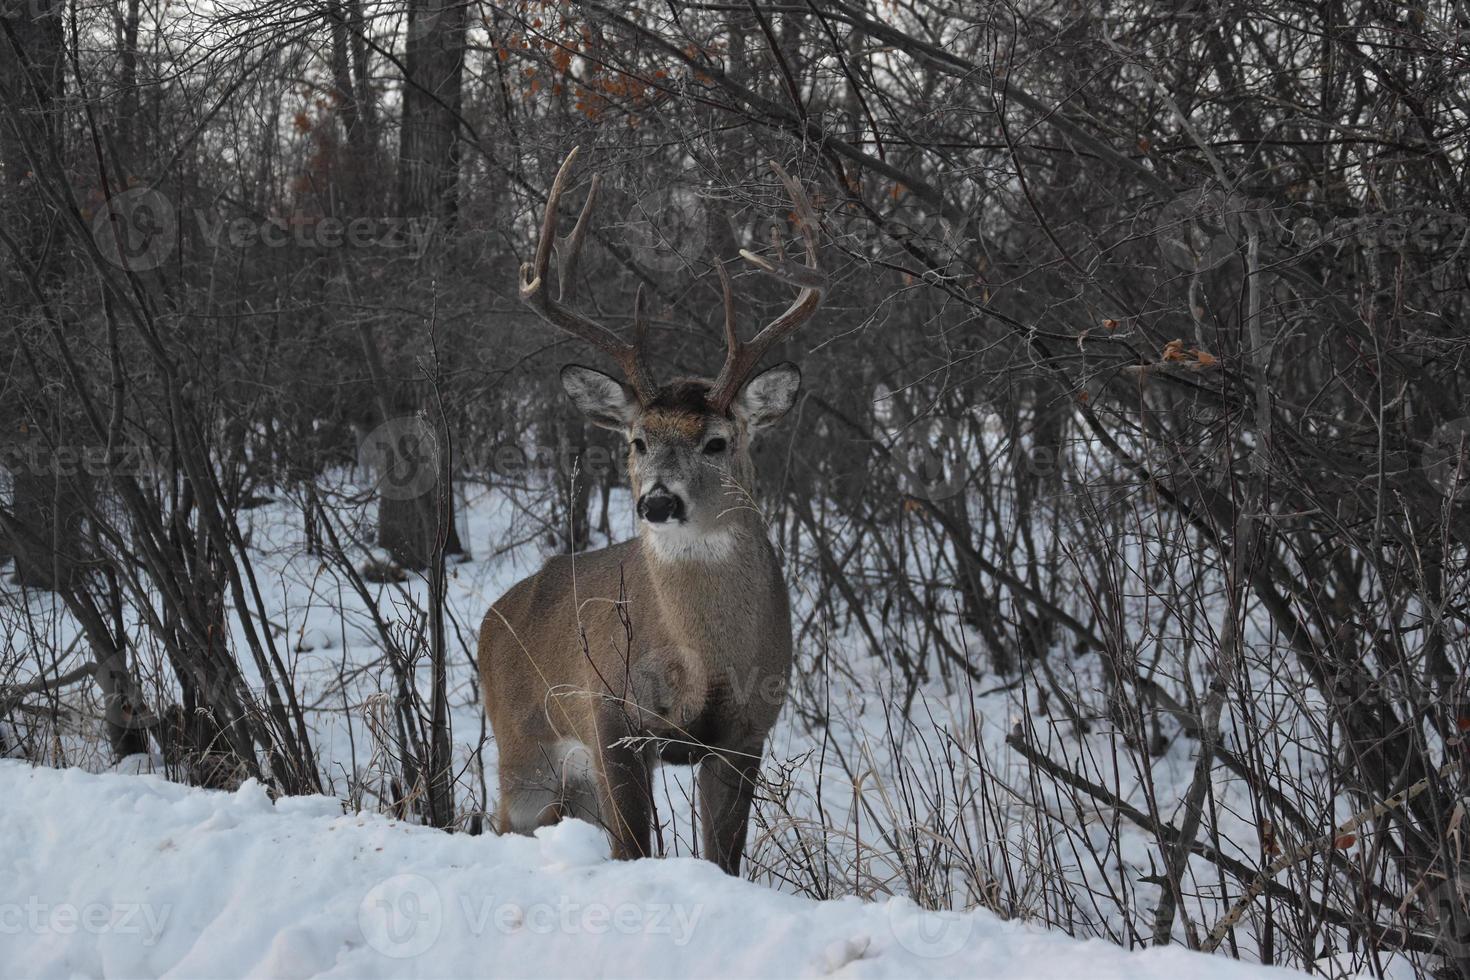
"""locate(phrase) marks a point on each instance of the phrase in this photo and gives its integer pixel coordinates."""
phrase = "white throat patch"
(684, 543)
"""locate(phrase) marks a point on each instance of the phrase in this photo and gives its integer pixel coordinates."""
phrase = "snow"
(854, 786)
(117, 875)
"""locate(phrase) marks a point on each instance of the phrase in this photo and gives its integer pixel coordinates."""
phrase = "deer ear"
(769, 395)
(602, 398)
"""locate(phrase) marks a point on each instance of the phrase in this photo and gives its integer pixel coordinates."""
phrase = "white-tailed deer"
(675, 644)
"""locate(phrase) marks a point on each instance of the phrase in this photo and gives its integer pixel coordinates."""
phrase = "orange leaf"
(1110, 324)
(1345, 841)
(1205, 358)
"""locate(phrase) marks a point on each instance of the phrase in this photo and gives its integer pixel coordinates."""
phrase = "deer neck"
(677, 552)
(695, 576)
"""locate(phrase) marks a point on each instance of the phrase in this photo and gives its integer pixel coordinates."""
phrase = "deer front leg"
(624, 801)
(726, 788)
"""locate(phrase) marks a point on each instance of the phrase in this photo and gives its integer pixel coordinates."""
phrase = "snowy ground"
(842, 756)
(133, 876)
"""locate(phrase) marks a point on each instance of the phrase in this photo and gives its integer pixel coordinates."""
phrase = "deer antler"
(741, 358)
(536, 294)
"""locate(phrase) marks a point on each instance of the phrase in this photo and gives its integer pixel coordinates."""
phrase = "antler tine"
(529, 284)
(535, 293)
(741, 358)
(640, 325)
(569, 249)
(732, 341)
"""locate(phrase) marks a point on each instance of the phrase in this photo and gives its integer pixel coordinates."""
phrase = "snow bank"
(133, 876)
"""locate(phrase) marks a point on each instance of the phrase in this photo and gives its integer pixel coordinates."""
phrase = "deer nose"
(659, 505)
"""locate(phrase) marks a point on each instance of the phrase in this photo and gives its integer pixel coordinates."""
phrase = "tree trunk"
(45, 501)
(428, 182)
(48, 551)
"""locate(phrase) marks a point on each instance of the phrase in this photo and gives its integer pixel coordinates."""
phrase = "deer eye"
(714, 447)
(639, 446)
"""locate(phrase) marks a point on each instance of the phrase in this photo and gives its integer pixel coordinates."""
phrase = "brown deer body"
(672, 646)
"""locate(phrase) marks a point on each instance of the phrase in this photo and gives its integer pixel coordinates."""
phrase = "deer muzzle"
(659, 505)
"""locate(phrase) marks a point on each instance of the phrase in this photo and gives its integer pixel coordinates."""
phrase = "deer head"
(688, 441)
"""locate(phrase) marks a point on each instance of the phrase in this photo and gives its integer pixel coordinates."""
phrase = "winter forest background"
(1124, 512)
